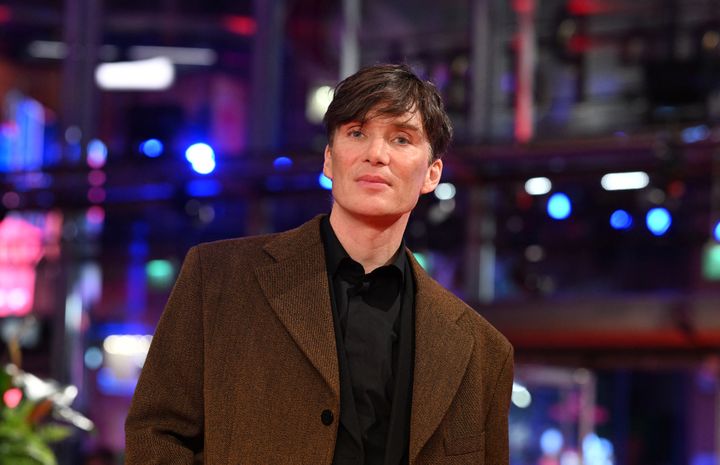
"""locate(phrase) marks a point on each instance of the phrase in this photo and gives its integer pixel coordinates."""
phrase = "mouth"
(373, 180)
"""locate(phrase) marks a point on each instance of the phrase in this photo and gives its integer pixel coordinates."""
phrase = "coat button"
(326, 417)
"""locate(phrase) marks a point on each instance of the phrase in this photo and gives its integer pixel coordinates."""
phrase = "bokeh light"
(621, 219)
(559, 206)
(152, 148)
(445, 191)
(325, 182)
(202, 158)
(551, 441)
(538, 186)
(282, 163)
(658, 221)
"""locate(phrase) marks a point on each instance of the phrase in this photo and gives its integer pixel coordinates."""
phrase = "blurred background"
(579, 213)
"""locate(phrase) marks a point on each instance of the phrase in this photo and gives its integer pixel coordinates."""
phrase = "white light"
(625, 181)
(445, 191)
(36, 388)
(178, 55)
(199, 152)
(202, 158)
(153, 74)
(127, 344)
(318, 102)
(47, 49)
(538, 186)
(520, 396)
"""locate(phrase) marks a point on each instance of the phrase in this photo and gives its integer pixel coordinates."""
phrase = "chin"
(378, 214)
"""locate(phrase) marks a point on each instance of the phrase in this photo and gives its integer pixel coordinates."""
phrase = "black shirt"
(368, 312)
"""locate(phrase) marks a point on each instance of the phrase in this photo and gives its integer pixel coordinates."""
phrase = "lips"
(373, 179)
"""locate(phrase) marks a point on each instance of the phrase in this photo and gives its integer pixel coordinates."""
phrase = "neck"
(370, 241)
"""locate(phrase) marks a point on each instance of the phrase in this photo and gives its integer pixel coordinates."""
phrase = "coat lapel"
(296, 286)
(442, 353)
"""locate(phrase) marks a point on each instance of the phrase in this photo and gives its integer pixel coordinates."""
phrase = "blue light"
(658, 221)
(620, 219)
(112, 385)
(201, 157)
(559, 206)
(152, 148)
(203, 188)
(282, 163)
(551, 441)
(716, 231)
(325, 182)
(93, 358)
(695, 134)
(96, 153)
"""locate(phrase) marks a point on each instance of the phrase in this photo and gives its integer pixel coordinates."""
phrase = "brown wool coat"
(243, 363)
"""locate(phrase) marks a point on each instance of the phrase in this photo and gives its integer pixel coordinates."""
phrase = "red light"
(5, 14)
(12, 397)
(523, 6)
(240, 25)
(580, 44)
(590, 7)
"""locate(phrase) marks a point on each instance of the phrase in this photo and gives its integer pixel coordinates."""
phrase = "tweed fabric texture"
(243, 364)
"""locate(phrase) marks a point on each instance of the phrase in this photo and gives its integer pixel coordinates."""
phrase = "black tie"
(378, 289)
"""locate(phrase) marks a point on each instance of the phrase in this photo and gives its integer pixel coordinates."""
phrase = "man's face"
(380, 167)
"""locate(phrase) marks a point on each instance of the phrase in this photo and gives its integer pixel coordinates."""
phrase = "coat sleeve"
(165, 421)
(496, 428)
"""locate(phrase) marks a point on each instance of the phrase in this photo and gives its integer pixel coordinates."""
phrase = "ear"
(327, 164)
(432, 176)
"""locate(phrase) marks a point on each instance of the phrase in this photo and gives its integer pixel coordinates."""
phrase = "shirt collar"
(335, 252)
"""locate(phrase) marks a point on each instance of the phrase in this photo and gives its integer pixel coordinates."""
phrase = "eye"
(355, 133)
(402, 140)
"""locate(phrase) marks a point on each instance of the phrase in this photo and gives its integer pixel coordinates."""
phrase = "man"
(329, 343)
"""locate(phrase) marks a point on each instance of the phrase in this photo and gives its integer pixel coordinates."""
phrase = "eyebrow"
(403, 126)
(408, 127)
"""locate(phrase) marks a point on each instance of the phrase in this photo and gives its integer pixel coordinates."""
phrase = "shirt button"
(326, 417)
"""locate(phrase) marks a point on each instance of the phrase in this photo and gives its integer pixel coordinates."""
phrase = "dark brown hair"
(391, 90)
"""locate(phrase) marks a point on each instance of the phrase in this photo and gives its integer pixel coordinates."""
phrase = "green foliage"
(23, 441)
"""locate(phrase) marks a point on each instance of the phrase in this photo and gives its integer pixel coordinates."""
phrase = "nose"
(377, 152)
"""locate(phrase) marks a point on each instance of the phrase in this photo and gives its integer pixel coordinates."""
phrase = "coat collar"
(296, 286)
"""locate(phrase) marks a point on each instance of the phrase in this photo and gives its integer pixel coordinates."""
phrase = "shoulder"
(260, 249)
(453, 308)
(225, 249)
(476, 324)
(222, 254)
